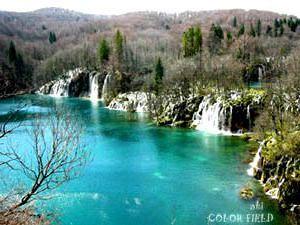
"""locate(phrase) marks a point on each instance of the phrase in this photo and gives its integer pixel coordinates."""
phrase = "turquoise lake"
(142, 174)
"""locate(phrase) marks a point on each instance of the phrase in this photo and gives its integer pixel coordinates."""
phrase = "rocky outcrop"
(180, 114)
(131, 102)
(280, 178)
(232, 112)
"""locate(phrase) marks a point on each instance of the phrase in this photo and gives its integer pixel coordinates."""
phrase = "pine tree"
(252, 31)
(184, 43)
(19, 65)
(12, 53)
(103, 51)
(258, 27)
(241, 30)
(229, 38)
(269, 31)
(52, 37)
(118, 46)
(293, 24)
(190, 39)
(198, 41)
(281, 29)
(216, 35)
(276, 23)
(219, 32)
(276, 27)
(234, 22)
(159, 73)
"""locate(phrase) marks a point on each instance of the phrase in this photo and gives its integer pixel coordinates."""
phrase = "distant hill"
(30, 30)
(65, 14)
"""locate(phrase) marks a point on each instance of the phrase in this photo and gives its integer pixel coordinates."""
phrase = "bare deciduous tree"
(54, 157)
(6, 126)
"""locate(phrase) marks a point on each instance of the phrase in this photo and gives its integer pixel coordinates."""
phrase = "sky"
(116, 7)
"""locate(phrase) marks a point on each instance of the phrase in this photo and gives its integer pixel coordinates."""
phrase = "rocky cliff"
(279, 175)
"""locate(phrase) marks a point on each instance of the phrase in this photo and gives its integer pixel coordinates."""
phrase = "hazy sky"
(108, 7)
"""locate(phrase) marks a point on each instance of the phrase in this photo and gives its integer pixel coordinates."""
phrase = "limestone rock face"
(79, 85)
(180, 114)
(131, 102)
(280, 179)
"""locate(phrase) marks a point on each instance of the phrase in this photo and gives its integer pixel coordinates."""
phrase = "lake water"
(142, 174)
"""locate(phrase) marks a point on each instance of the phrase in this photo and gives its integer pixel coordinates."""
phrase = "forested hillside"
(37, 46)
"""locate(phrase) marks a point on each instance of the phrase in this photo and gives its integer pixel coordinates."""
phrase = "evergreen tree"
(52, 37)
(185, 46)
(276, 27)
(292, 24)
(269, 31)
(281, 29)
(276, 23)
(12, 53)
(198, 41)
(258, 27)
(159, 73)
(234, 22)
(118, 46)
(219, 32)
(103, 51)
(216, 35)
(229, 38)
(190, 39)
(19, 65)
(252, 31)
(241, 30)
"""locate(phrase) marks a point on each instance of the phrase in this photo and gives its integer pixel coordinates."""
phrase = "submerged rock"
(246, 193)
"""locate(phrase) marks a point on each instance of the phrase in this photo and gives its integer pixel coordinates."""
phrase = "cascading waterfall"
(255, 165)
(61, 87)
(211, 117)
(260, 73)
(249, 117)
(94, 86)
(105, 88)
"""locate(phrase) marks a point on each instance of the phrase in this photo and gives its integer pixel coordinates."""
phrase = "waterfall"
(255, 165)
(60, 88)
(260, 74)
(249, 117)
(105, 87)
(211, 117)
(94, 86)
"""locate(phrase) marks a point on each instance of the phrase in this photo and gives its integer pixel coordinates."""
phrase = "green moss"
(286, 145)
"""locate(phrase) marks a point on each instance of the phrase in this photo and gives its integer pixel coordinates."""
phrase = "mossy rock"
(247, 193)
(181, 124)
(163, 121)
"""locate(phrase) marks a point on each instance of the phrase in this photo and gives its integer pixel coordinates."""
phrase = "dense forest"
(39, 46)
